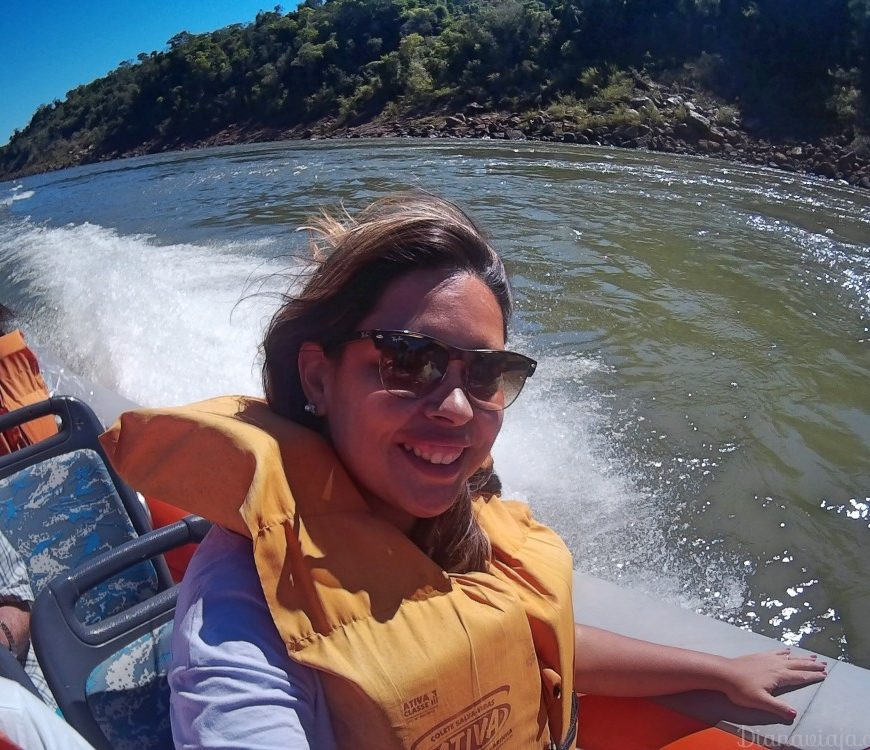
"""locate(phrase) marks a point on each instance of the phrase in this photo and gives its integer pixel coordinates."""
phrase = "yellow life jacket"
(409, 656)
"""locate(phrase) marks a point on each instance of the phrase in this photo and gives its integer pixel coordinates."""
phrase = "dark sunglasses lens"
(411, 367)
(495, 379)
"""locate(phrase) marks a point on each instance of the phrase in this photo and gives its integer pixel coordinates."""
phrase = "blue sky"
(48, 47)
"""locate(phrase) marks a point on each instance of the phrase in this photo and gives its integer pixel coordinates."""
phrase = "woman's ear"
(314, 371)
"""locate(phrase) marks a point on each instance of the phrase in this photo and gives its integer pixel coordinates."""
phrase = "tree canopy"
(795, 66)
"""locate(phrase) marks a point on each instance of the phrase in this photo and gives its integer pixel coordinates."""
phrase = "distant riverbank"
(671, 119)
(782, 85)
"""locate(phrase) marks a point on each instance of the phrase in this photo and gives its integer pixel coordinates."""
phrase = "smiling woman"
(412, 263)
(411, 456)
(359, 589)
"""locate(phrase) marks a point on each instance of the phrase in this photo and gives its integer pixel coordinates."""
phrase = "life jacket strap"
(571, 737)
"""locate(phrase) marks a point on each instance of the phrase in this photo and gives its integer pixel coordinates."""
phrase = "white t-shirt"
(233, 684)
(32, 725)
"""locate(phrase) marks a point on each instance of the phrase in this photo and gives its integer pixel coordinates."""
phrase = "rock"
(698, 123)
(682, 130)
(474, 107)
(632, 131)
(796, 152)
(455, 121)
(581, 139)
(674, 101)
(826, 169)
(569, 137)
(643, 83)
(847, 161)
(864, 182)
(641, 101)
(512, 134)
(717, 134)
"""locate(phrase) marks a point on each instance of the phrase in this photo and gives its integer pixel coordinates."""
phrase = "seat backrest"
(61, 503)
(110, 677)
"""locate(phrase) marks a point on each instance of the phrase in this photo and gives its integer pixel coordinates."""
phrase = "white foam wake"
(156, 323)
(16, 194)
(560, 451)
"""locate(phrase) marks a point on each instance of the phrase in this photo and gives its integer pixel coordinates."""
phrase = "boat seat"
(61, 503)
(110, 677)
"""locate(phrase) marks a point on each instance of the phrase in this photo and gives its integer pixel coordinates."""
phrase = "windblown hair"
(357, 258)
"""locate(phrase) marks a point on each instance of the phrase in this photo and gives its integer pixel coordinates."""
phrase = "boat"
(81, 654)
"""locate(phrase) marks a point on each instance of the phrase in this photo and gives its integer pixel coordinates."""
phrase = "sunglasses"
(413, 365)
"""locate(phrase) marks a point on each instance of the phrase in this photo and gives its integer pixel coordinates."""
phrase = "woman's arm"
(15, 628)
(16, 598)
(233, 684)
(610, 664)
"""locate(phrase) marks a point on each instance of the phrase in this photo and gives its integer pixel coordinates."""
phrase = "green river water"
(699, 425)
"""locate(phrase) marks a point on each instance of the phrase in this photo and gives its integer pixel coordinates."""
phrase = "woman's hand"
(611, 664)
(752, 680)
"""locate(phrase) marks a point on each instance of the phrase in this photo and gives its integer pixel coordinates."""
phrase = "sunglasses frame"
(379, 337)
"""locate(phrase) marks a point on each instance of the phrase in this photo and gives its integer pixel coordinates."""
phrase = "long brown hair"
(356, 259)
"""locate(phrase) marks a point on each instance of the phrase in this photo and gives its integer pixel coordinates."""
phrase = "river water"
(699, 424)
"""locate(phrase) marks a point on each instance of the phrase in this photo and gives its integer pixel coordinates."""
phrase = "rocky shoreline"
(671, 119)
(696, 132)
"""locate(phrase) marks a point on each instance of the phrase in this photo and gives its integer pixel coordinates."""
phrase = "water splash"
(562, 452)
(17, 194)
(156, 323)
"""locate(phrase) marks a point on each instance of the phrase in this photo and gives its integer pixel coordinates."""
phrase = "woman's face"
(412, 456)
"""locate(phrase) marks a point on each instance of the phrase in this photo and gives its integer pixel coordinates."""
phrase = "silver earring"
(311, 409)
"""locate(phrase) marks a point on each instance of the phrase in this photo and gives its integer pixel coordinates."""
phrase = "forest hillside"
(784, 82)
